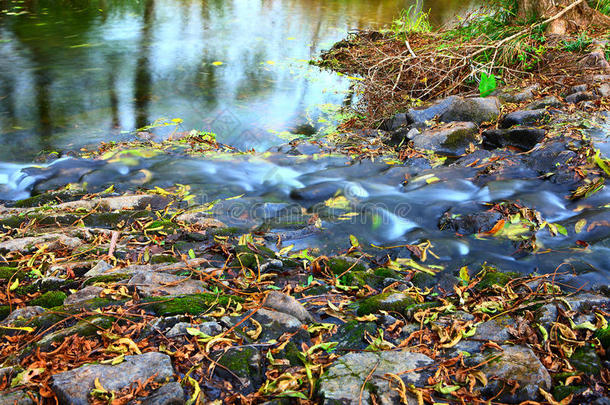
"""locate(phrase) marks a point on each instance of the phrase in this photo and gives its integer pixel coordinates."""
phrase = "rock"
(245, 363)
(523, 117)
(343, 381)
(120, 203)
(149, 284)
(397, 121)
(389, 301)
(99, 269)
(578, 89)
(550, 101)
(50, 283)
(28, 244)
(351, 335)
(586, 360)
(452, 138)
(209, 328)
(84, 294)
(604, 90)
(275, 324)
(519, 97)
(25, 314)
(288, 305)
(522, 138)
(468, 224)
(422, 115)
(475, 109)
(200, 218)
(580, 96)
(588, 301)
(169, 394)
(16, 398)
(87, 327)
(520, 364)
(74, 386)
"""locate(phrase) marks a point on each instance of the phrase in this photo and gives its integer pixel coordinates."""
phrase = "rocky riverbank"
(490, 286)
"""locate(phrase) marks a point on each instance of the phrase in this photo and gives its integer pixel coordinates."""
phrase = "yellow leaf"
(579, 226)
(366, 318)
(14, 285)
(98, 385)
(258, 329)
(217, 63)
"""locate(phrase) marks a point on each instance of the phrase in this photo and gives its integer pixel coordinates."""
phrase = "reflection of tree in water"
(143, 77)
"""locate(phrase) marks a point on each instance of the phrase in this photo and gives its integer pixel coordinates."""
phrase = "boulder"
(168, 394)
(550, 101)
(523, 117)
(517, 97)
(475, 109)
(288, 305)
(150, 283)
(451, 139)
(580, 96)
(343, 382)
(421, 115)
(73, 387)
(519, 364)
(522, 138)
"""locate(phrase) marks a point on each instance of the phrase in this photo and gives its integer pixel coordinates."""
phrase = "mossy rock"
(189, 304)
(8, 273)
(107, 278)
(46, 198)
(93, 304)
(87, 327)
(160, 259)
(245, 362)
(604, 337)
(563, 391)
(389, 301)
(291, 353)
(350, 335)
(492, 278)
(338, 265)
(585, 359)
(247, 257)
(424, 280)
(50, 299)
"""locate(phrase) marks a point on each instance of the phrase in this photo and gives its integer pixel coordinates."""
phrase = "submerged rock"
(365, 372)
(522, 138)
(74, 386)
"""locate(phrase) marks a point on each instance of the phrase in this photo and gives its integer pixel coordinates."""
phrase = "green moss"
(7, 273)
(190, 304)
(291, 353)
(562, 391)
(338, 265)
(390, 301)
(50, 299)
(350, 335)
(423, 280)
(604, 337)
(238, 362)
(159, 259)
(46, 198)
(94, 303)
(492, 278)
(5, 310)
(585, 359)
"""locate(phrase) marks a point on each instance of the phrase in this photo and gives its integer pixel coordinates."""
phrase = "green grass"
(603, 6)
(581, 43)
(411, 20)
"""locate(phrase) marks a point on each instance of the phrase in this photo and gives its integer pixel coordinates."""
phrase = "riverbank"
(456, 253)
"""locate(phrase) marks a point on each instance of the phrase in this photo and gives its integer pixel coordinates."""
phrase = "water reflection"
(79, 72)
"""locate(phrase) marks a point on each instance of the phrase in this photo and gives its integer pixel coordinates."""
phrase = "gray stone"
(29, 244)
(524, 138)
(578, 89)
(519, 97)
(120, 203)
(580, 96)
(550, 101)
(149, 284)
(452, 138)
(604, 90)
(50, 283)
(99, 269)
(397, 121)
(343, 381)
(74, 386)
(209, 328)
(16, 398)
(23, 313)
(520, 364)
(523, 117)
(85, 294)
(200, 218)
(87, 327)
(288, 305)
(421, 115)
(588, 301)
(241, 364)
(275, 324)
(475, 109)
(169, 394)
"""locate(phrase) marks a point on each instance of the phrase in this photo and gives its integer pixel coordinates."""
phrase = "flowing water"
(76, 73)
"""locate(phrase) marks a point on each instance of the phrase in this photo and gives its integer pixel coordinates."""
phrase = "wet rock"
(209, 328)
(520, 364)
(476, 109)
(351, 335)
(397, 121)
(28, 244)
(343, 381)
(468, 224)
(588, 301)
(200, 218)
(450, 138)
(84, 294)
(522, 138)
(389, 301)
(99, 269)
(550, 101)
(126, 202)
(16, 398)
(169, 394)
(523, 117)
(586, 360)
(149, 284)
(275, 324)
(288, 305)
(23, 314)
(421, 115)
(316, 192)
(74, 386)
(244, 363)
(580, 96)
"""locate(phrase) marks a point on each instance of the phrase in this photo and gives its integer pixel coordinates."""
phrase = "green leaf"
(487, 84)
(191, 253)
(354, 241)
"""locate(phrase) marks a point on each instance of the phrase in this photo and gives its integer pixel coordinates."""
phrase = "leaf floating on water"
(497, 227)
(580, 225)
(217, 63)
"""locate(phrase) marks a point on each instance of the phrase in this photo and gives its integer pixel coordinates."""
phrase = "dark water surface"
(75, 73)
